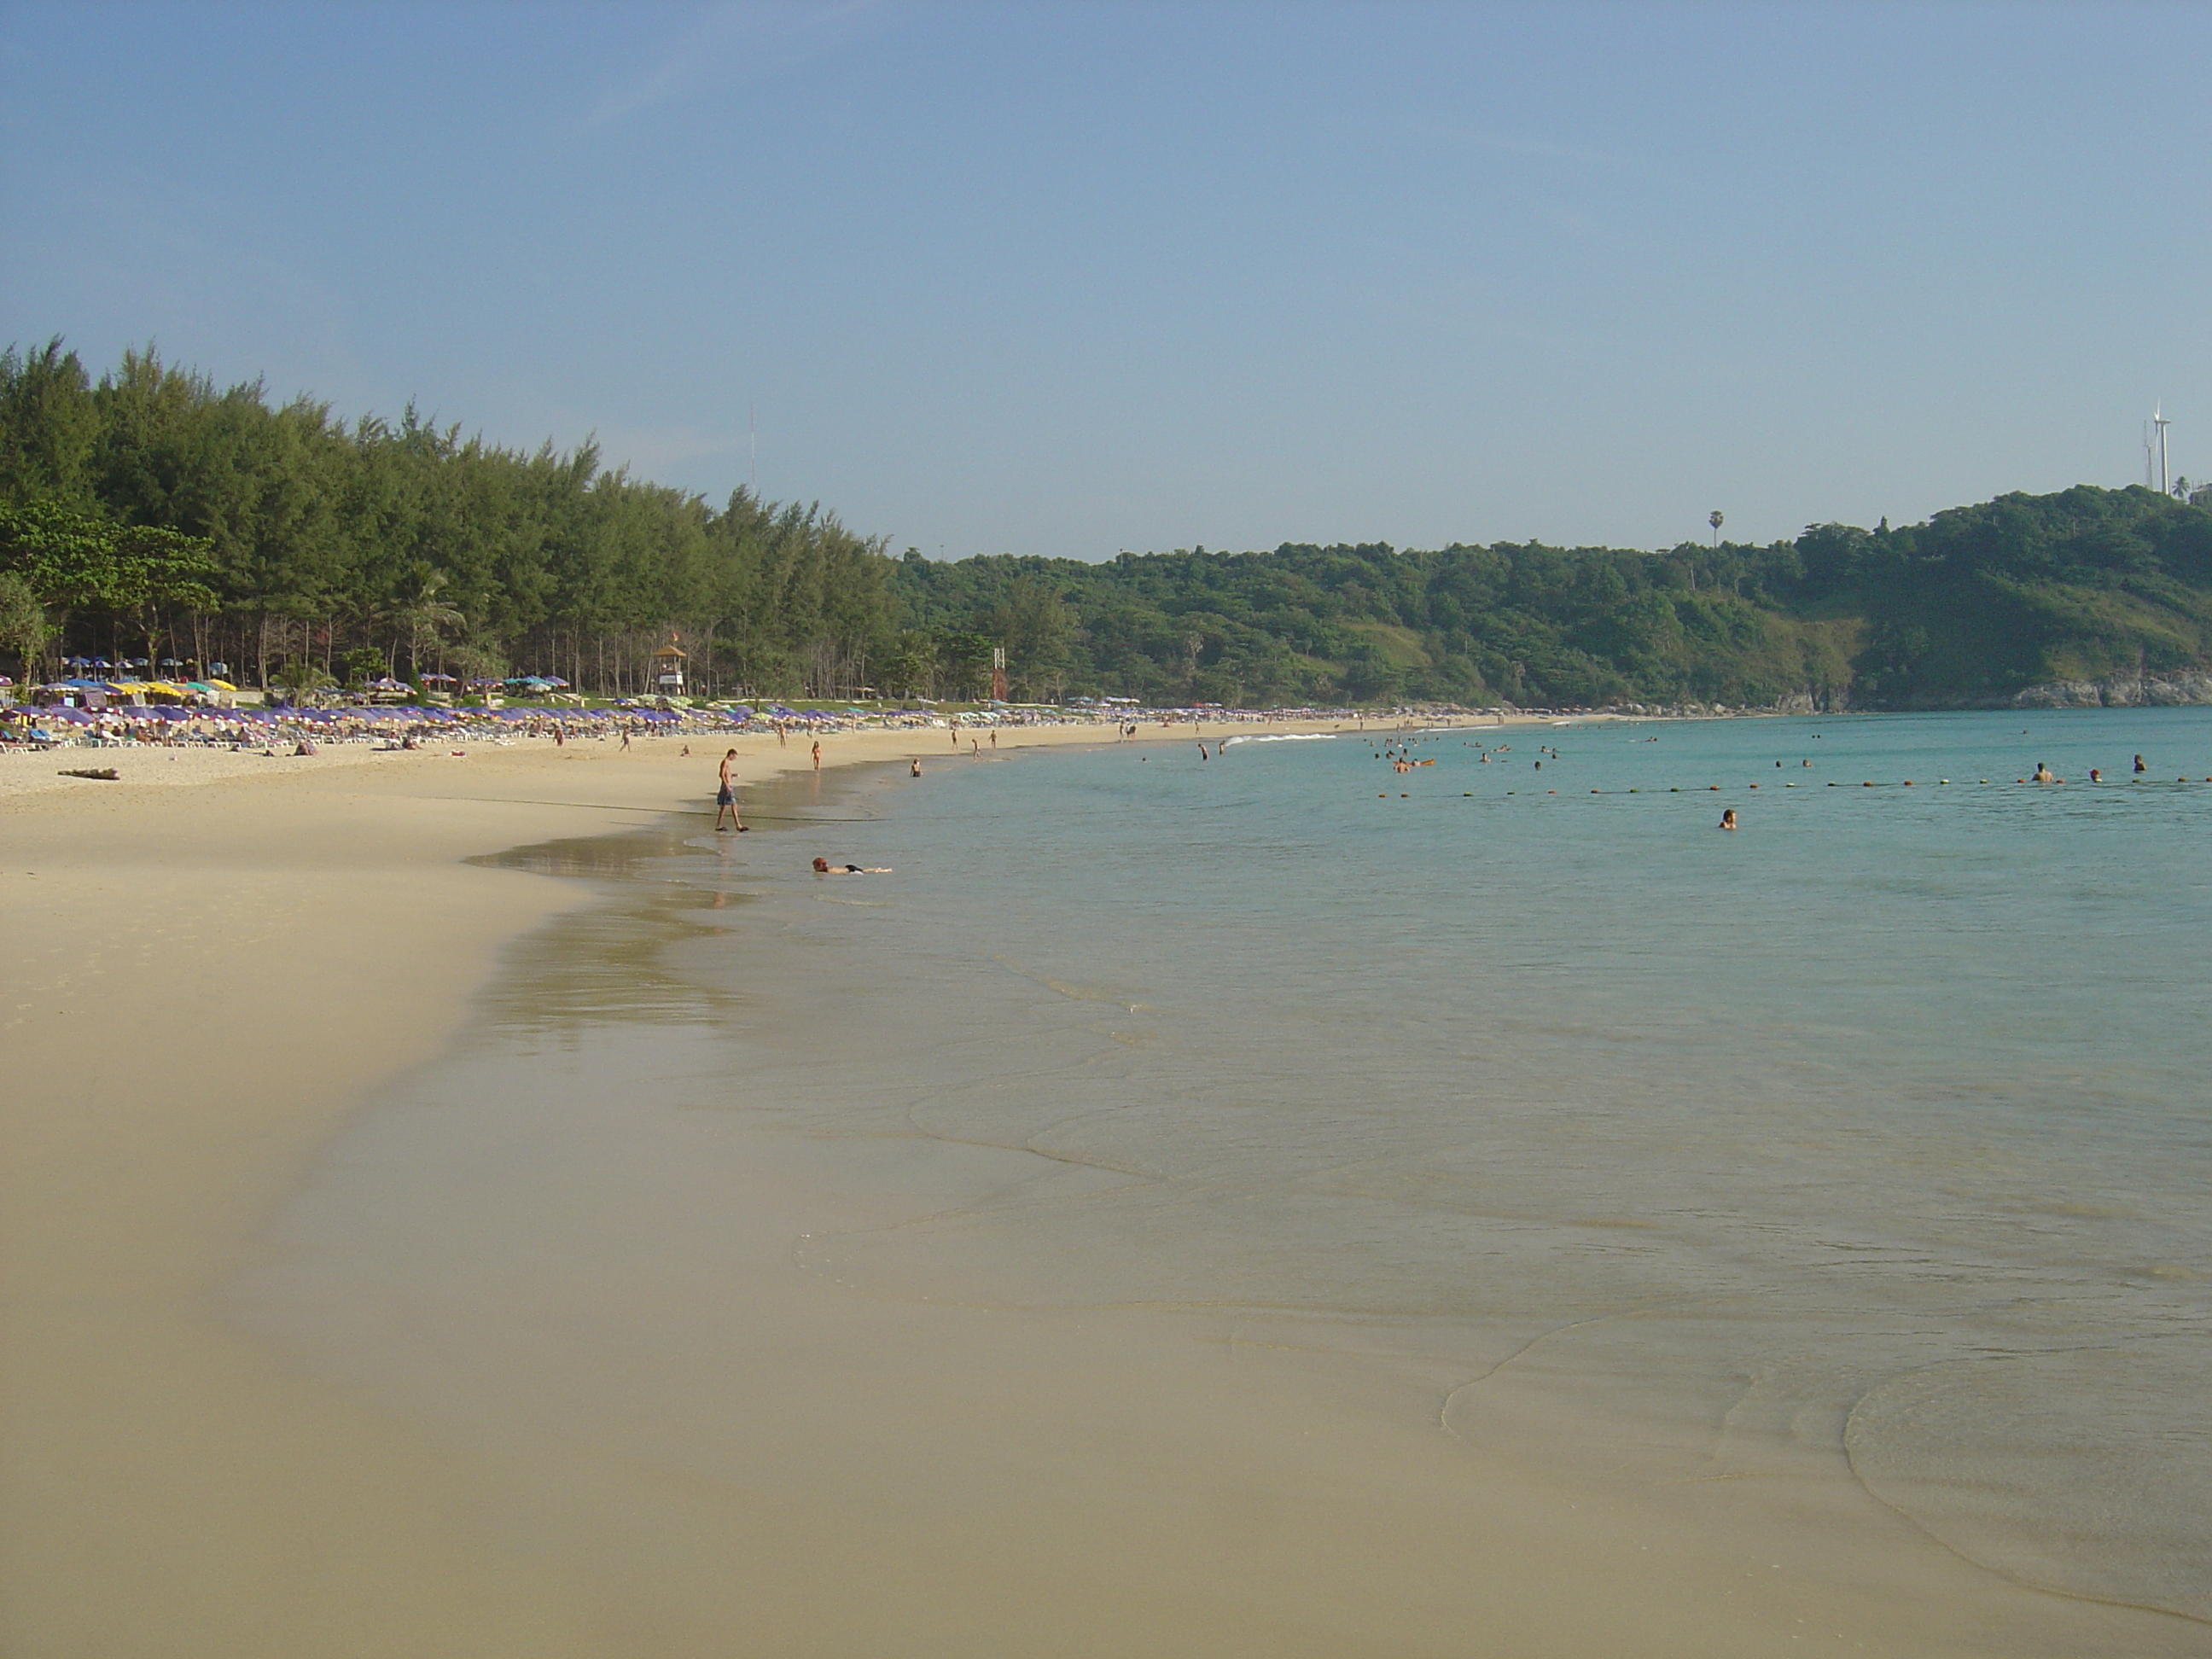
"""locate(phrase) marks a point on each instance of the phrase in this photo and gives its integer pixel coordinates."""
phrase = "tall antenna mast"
(2157, 419)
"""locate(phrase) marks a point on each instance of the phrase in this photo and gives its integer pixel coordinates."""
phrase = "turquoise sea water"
(1880, 1130)
(1865, 1149)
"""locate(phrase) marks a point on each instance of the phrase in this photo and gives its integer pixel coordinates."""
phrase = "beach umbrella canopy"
(439, 679)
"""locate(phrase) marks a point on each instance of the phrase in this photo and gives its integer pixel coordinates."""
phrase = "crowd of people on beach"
(282, 729)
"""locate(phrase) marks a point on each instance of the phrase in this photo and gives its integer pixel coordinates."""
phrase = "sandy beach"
(211, 960)
(208, 961)
(199, 981)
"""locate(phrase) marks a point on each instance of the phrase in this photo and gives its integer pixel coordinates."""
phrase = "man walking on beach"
(726, 798)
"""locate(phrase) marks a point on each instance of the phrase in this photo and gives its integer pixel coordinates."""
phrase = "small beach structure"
(668, 668)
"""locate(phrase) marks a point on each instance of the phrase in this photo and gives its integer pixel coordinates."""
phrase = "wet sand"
(198, 984)
(652, 1430)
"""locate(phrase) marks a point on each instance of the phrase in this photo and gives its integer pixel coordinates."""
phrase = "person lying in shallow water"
(824, 867)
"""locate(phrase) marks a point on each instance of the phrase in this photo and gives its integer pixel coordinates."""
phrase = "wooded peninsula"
(151, 514)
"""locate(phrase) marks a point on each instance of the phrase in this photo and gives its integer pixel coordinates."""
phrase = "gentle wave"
(1285, 736)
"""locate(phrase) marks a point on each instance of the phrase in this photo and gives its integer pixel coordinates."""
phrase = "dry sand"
(199, 982)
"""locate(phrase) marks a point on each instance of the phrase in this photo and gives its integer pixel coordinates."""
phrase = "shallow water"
(1867, 1145)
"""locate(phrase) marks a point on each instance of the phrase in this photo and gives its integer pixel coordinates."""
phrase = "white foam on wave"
(1283, 736)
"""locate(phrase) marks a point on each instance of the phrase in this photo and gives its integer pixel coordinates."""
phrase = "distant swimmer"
(917, 766)
(2043, 774)
(824, 867)
(1727, 818)
(2140, 766)
(1202, 755)
(2095, 776)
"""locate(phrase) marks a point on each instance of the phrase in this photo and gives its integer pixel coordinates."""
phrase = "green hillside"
(1973, 606)
(152, 514)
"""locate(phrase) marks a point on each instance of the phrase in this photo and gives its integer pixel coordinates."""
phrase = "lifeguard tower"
(668, 668)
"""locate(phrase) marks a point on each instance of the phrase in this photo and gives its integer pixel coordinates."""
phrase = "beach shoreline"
(263, 1507)
(209, 960)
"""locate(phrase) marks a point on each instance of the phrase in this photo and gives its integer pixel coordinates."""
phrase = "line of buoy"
(1714, 789)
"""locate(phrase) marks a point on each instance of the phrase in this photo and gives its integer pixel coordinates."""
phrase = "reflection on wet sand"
(802, 1281)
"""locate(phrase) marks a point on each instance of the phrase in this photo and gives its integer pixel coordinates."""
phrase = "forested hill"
(1973, 606)
(153, 514)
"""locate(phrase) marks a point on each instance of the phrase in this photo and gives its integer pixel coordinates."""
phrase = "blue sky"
(1071, 278)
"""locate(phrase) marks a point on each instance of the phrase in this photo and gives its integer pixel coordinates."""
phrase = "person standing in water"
(917, 766)
(726, 797)
(2140, 766)
(1727, 818)
(817, 754)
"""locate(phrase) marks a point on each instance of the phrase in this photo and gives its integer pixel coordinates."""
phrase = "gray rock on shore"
(2163, 690)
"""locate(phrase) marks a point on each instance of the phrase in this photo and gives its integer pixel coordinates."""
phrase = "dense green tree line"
(335, 548)
(298, 545)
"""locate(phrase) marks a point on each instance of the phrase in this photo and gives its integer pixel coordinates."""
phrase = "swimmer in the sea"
(1727, 818)
(824, 867)
(917, 766)
(2095, 776)
(2043, 773)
